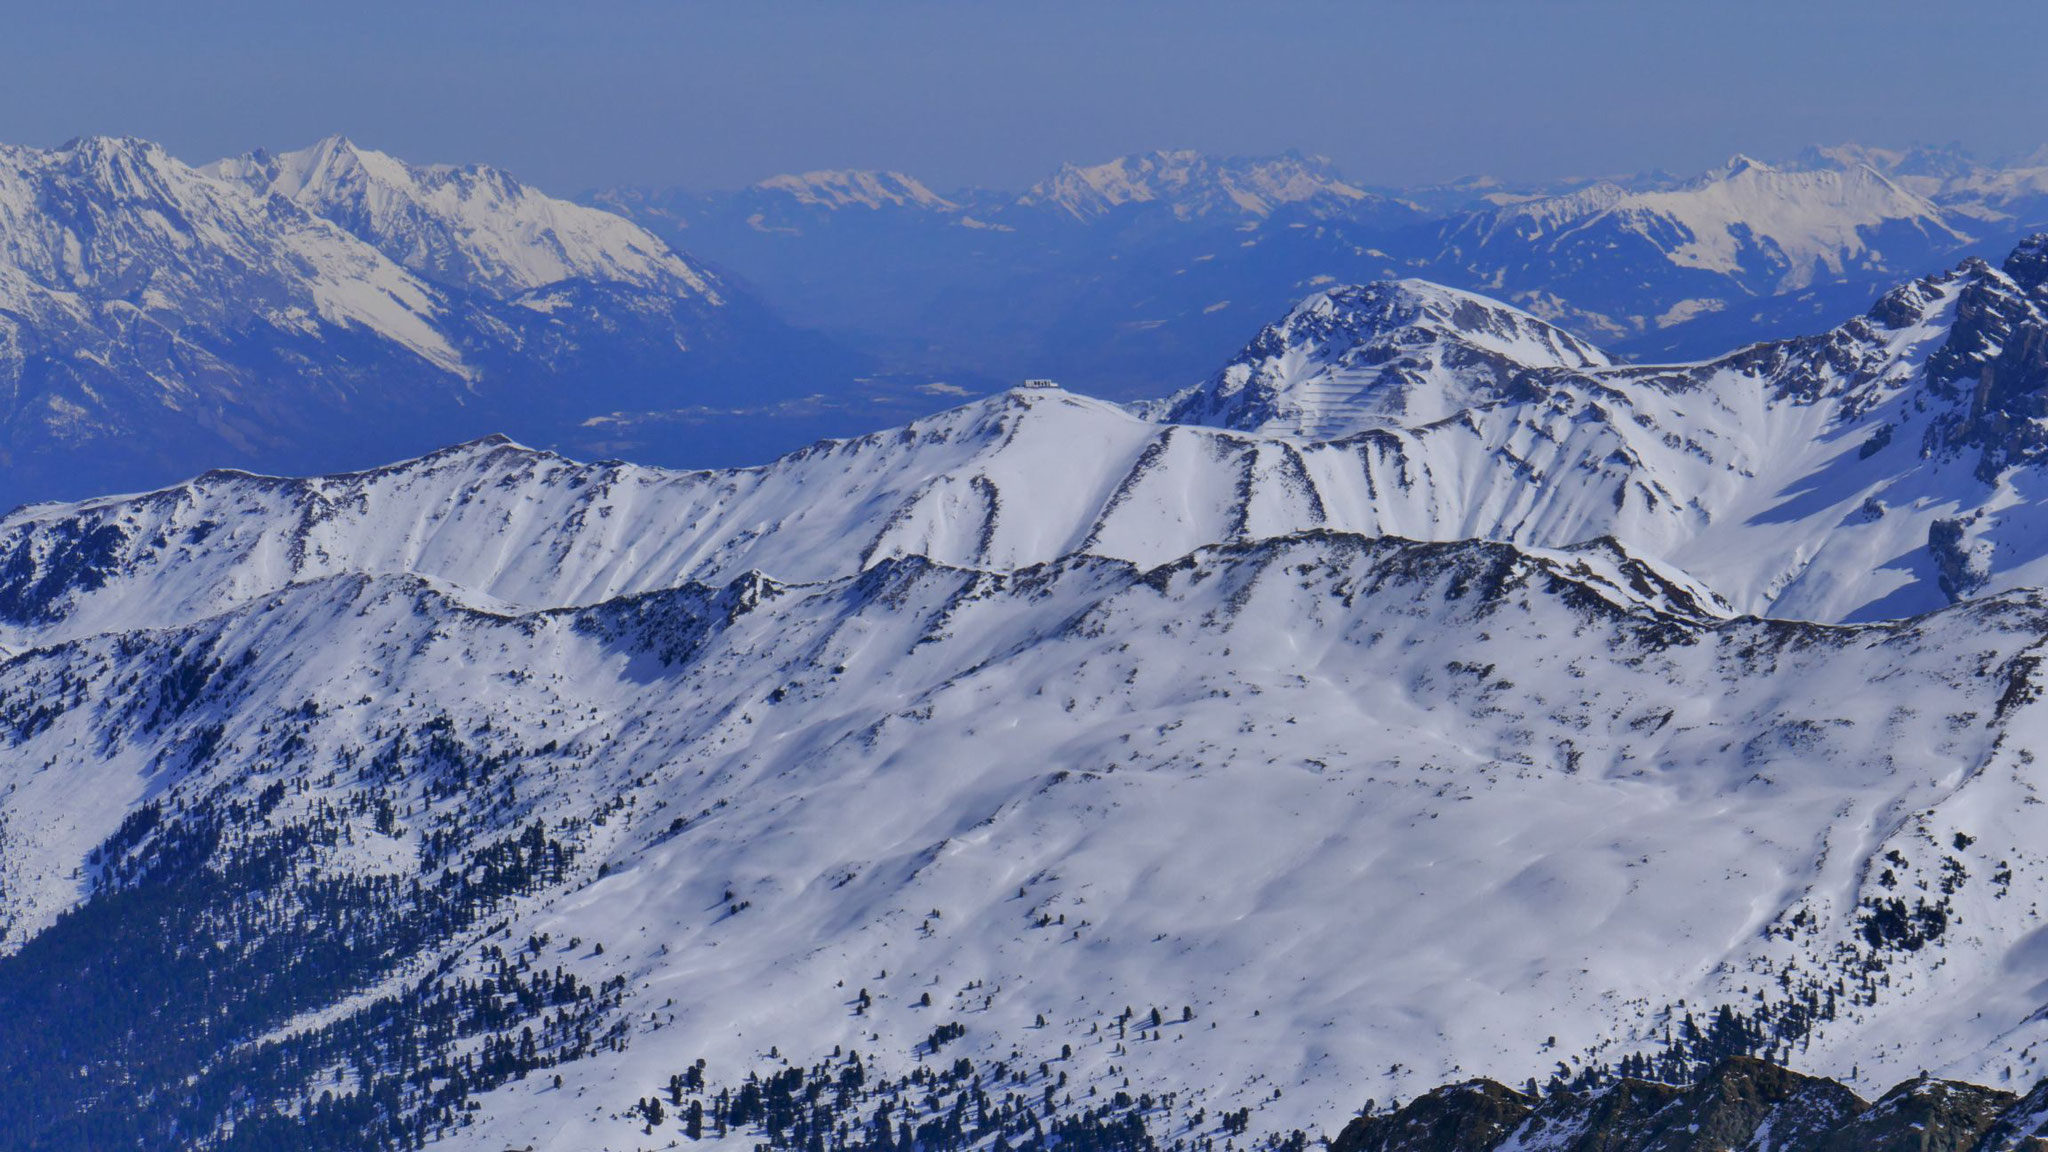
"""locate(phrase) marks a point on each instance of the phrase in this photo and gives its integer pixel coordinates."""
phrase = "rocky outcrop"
(1996, 361)
(1475, 1114)
(1740, 1105)
(1923, 1115)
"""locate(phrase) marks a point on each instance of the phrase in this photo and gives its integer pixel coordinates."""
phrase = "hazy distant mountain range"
(335, 307)
(1132, 276)
(322, 308)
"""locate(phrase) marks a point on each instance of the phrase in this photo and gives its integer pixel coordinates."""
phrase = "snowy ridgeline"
(1372, 754)
(338, 307)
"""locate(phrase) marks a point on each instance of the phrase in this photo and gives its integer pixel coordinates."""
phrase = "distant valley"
(1133, 276)
(335, 306)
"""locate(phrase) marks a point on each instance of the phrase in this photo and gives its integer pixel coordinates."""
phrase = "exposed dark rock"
(1743, 1097)
(1475, 1114)
(2023, 1127)
(1741, 1105)
(1922, 1115)
(2028, 264)
(1615, 1118)
(1961, 572)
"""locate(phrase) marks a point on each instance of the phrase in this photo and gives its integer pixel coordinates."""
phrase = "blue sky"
(719, 94)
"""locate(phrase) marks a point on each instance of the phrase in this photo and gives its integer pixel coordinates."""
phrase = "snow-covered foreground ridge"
(1375, 753)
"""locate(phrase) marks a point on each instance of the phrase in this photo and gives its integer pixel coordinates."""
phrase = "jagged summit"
(1193, 184)
(1740, 1102)
(134, 290)
(472, 226)
(2027, 264)
(1400, 352)
(1895, 428)
(335, 307)
(849, 188)
(120, 165)
(1992, 371)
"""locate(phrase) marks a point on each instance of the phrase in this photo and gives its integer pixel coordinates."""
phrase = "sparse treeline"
(149, 1015)
(842, 1104)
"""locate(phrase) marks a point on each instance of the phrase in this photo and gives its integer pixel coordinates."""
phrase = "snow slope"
(1457, 740)
(1456, 799)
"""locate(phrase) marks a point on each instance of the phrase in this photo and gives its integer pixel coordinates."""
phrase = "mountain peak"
(123, 165)
(103, 145)
(1774, 230)
(1387, 353)
(2028, 263)
(300, 175)
(1192, 184)
(864, 188)
(475, 226)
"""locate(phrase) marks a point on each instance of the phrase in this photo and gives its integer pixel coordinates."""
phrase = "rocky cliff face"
(1995, 363)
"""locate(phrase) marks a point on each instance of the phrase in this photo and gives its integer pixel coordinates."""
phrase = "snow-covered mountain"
(1191, 184)
(2013, 191)
(849, 188)
(473, 228)
(1132, 276)
(1776, 474)
(336, 306)
(777, 803)
(1562, 715)
(1393, 354)
(1868, 472)
(1623, 261)
(1780, 230)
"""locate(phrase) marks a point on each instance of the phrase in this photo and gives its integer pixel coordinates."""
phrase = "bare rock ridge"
(1742, 1105)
